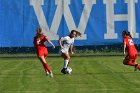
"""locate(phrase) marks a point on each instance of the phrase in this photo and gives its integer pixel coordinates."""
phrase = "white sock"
(66, 63)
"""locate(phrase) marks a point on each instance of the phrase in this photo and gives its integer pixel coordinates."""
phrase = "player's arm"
(124, 48)
(60, 43)
(35, 42)
(48, 40)
(71, 49)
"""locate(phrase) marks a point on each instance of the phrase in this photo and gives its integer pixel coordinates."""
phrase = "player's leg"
(46, 55)
(66, 59)
(125, 60)
(46, 67)
(129, 61)
(42, 55)
(66, 62)
(45, 64)
(137, 66)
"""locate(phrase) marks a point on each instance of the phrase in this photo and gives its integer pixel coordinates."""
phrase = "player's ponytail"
(77, 33)
(129, 34)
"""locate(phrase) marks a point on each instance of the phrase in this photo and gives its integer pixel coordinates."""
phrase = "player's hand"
(53, 47)
(62, 47)
(124, 52)
(72, 52)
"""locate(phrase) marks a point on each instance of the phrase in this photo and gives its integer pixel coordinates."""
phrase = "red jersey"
(130, 48)
(40, 41)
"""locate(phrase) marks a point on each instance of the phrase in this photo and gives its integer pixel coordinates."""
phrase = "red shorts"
(132, 57)
(42, 52)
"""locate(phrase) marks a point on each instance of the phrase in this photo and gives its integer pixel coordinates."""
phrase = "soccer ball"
(68, 70)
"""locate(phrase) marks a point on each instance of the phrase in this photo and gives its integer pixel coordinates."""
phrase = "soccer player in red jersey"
(41, 49)
(66, 43)
(132, 54)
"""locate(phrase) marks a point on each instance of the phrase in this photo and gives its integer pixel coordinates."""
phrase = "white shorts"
(63, 51)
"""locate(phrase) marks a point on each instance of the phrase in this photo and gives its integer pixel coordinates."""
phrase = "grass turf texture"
(90, 75)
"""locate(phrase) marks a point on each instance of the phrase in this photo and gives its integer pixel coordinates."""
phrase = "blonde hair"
(39, 31)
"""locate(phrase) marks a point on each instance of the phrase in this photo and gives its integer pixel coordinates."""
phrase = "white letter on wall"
(37, 5)
(84, 17)
(111, 18)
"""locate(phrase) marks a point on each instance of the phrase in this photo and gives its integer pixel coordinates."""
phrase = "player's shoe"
(47, 73)
(136, 67)
(51, 74)
(64, 71)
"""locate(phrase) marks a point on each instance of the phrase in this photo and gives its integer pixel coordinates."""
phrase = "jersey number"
(130, 42)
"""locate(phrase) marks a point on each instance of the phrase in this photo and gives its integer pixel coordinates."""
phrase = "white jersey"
(67, 41)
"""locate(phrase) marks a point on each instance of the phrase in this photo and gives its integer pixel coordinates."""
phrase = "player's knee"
(40, 57)
(124, 62)
(68, 58)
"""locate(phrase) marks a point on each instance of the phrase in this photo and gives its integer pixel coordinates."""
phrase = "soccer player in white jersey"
(66, 44)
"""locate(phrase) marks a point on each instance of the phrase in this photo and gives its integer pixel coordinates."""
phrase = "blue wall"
(18, 22)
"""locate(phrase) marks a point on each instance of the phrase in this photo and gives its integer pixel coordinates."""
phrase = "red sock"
(46, 67)
(131, 63)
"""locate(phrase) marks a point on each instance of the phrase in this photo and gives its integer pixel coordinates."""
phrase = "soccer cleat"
(136, 67)
(47, 73)
(64, 71)
(51, 74)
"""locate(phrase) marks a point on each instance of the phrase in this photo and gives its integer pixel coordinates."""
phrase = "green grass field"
(90, 75)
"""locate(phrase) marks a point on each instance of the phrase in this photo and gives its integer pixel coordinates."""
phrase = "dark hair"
(77, 33)
(127, 33)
